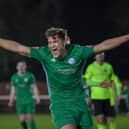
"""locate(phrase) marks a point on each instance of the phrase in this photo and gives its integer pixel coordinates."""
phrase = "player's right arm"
(14, 46)
(12, 96)
(88, 77)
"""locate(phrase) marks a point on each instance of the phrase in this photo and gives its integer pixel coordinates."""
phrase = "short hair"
(23, 62)
(55, 31)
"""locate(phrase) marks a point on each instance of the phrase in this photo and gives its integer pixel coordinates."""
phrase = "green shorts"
(28, 108)
(76, 113)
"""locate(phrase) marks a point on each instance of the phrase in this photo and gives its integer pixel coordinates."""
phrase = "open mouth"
(55, 51)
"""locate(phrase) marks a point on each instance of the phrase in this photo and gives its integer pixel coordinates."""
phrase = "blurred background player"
(126, 92)
(98, 77)
(24, 87)
(115, 101)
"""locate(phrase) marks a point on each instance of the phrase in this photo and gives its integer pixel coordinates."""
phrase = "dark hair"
(55, 31)
(22, 61)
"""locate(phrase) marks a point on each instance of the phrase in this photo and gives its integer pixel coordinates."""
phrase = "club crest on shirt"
(53, 60)
(105, 70)
(71, 60)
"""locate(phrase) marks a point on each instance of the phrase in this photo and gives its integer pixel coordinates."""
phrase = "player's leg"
(111, 117)
(101, 122)
(30, 110)
(112, 123)
(69, 126)
(64, 116)
(31, 121)
(127, 105)
(21, 114)
(22, 120)
(86, 121)
(99, 114)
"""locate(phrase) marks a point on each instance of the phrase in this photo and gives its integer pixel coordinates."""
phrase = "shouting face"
(57, 46)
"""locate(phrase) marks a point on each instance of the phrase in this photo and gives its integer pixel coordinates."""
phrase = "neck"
(21, 73)
(100, 62)
(63, 54)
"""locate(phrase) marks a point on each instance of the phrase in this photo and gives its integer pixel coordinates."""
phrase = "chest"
(102, 70)
(68, 65)
(22, 81)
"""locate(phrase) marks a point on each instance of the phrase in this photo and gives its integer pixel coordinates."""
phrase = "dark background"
(88, 22)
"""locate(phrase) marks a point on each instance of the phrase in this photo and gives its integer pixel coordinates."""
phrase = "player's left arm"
(114, 86)
(36, 93)
(116, 93)
(110, 43)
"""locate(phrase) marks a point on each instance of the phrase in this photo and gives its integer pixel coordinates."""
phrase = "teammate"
(63, 65)
(24, 87)
(98, 76)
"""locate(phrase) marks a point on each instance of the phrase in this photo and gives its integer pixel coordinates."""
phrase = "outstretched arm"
(14, 47)
(110, 43)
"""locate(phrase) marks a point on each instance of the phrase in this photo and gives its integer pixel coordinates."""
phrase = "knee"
(22, 120)
(101, 120)
(30, 117)
(111, 119)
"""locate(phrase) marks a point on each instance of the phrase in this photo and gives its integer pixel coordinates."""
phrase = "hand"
(88, 100)
(37, 100)
(10, 104)
(105, 84)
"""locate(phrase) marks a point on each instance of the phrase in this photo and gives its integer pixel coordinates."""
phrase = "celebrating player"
(63, 65)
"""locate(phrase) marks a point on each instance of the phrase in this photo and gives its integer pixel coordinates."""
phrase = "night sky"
(88, 22)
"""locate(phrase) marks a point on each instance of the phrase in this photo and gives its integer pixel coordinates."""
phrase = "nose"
(52, 45)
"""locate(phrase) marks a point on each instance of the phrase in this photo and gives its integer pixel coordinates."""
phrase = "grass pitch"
(43, 121)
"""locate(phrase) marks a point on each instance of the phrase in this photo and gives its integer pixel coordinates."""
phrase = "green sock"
(101, 126)
(24, 125)
(112, 124)
(32, 124)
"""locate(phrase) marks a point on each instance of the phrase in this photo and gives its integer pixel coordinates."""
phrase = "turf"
(43, 121)
(122, 122)
(10, 121)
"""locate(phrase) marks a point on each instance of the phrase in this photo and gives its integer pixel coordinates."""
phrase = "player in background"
(98, 77)
(63, 66)
(126, 92)
(118, 85)
(23, 86)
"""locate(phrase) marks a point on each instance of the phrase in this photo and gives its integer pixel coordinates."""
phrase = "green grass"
(10, 121)
(122, 122)
(43, 121)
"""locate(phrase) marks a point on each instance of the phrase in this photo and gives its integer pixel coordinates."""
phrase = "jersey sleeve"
(88, 78)
(87, 52)
(12, 81)
(38, 53)
(88, 73)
